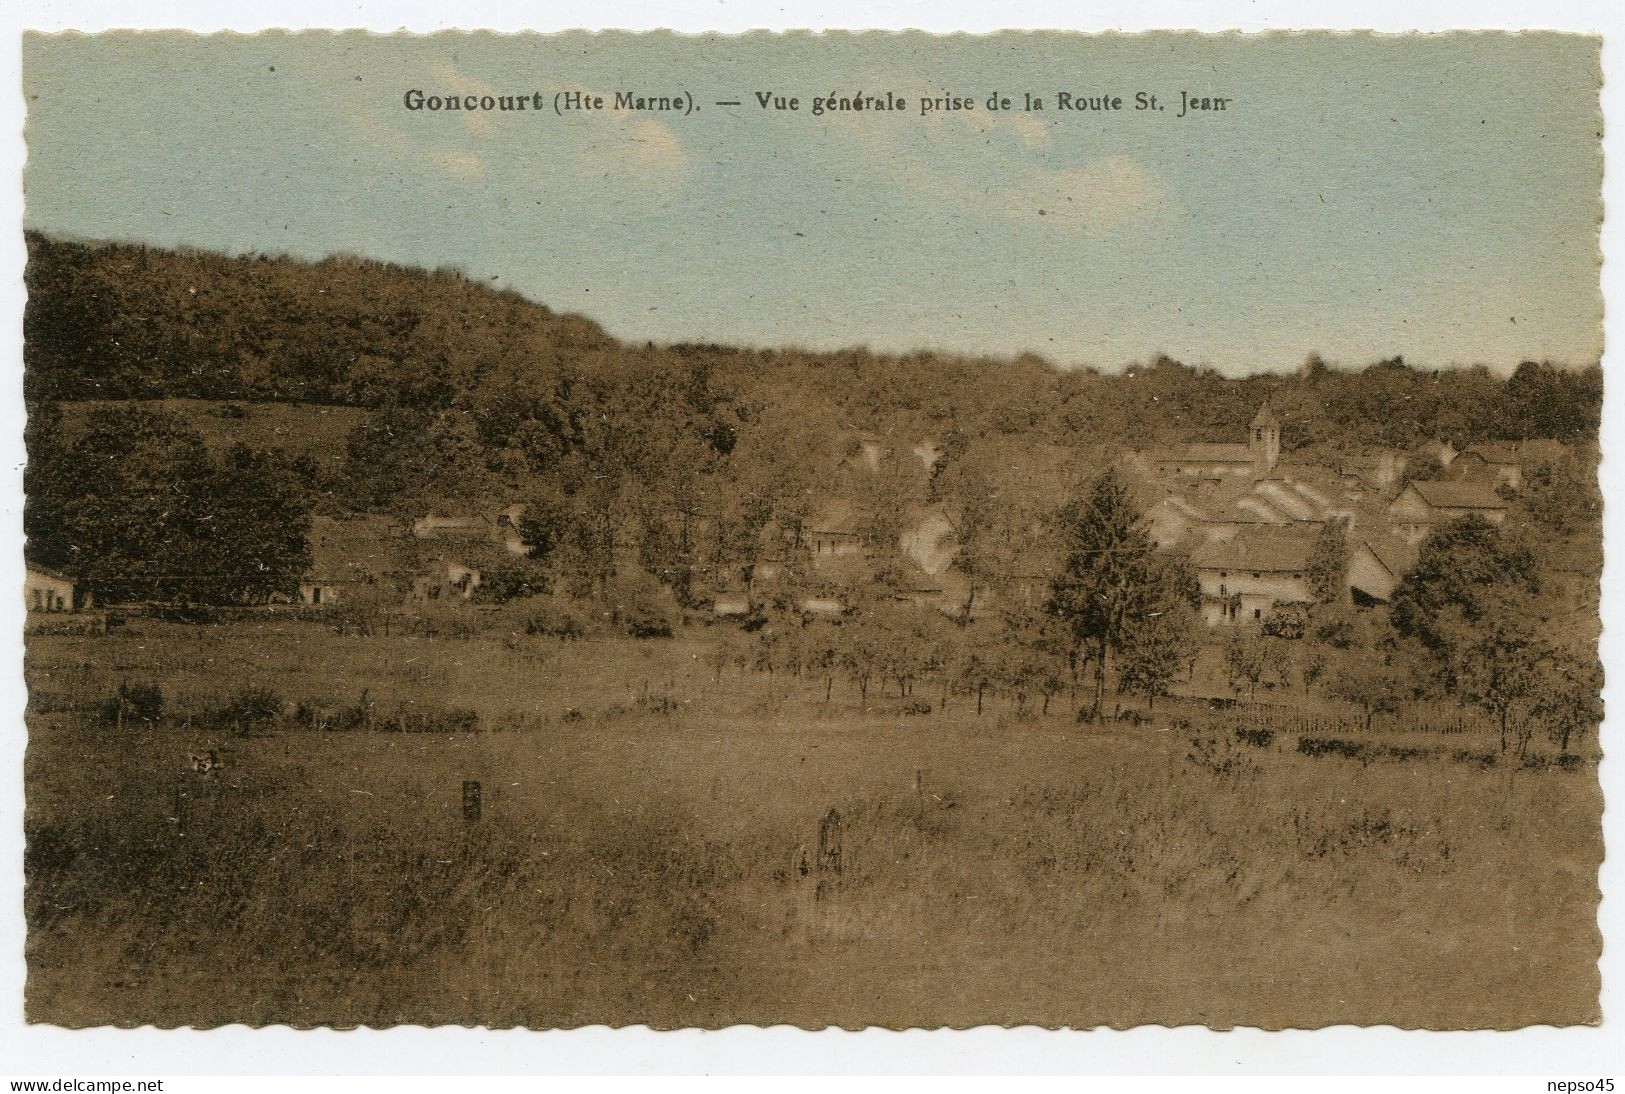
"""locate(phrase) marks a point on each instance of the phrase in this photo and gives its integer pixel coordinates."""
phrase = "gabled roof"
(443, 526)
(1541, 450)
(349, 550)
(1459, 495)
(837, 515)
(1396, 556)
(1207, 452)
(1274, 550)
(1493, 453)
(1265, 418)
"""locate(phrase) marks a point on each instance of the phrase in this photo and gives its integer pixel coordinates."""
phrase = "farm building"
(351, 557)
(1423, 506)
(1493, 463)
(1376, 471)
(49, 591)
(1246, 577)
(833, 532)
(443, 577)
(1376, 567)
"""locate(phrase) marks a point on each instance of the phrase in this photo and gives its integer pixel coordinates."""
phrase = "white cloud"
(630, 147)
(460, 165)
(1034, 134)
(1096, 196)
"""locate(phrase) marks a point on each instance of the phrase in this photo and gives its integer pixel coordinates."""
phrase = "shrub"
(641, 607)
(1335, 746)
(421, 719)
(643, 621)
(510, 579)
(1258, 738)
(250, 707)
(556, 622)
(135, 702)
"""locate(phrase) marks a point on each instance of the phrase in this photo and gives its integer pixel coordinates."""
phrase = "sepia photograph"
(830, 530)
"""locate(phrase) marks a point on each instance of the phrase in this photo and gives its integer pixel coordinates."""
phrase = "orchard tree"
(1366, 679)
(1469, 578)
(1247, 659)
(1500, 673)
(1568, 697)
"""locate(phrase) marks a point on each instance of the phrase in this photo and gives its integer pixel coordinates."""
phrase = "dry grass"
(638, 861)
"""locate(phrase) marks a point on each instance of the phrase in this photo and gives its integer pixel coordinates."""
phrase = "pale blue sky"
(1431, 197)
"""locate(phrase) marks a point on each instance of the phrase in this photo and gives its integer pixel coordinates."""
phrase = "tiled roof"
(1206, 452)
(1278, 551)
(1397, 555)
(835, 515)
(1459, 495)
(1493, 453)
(349, 550)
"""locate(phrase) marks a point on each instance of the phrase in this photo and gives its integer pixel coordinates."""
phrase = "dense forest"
(473, 397)
(132, 322)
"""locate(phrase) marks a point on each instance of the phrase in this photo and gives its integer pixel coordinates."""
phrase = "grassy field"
(645, 826)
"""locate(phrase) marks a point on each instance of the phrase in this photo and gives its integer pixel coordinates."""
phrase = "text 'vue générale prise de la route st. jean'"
(581, 101)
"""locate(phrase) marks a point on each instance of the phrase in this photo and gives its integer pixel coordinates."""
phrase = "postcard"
(834, 529)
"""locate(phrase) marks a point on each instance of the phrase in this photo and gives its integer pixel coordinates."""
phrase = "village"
(1246, 518)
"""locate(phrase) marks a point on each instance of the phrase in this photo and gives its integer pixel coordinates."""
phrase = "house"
(872, 452)
(1375, 471)
(438, 526)
(1212, 512)
(1376, 566)
(929, 539)
(359, 556)
(1244, 578)
(46, 590)
(1493, 463)
(1422, 506)
(730, 606)
(833, 532)
(444, 577)
(1260, 453)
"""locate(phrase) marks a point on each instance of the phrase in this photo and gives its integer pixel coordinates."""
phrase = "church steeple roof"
(1265, 418)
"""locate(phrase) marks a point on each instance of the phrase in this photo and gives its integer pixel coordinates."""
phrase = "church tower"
(1264, 439)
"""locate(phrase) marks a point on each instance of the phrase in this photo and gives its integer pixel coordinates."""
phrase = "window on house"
(1255, 573)
(1258, 613)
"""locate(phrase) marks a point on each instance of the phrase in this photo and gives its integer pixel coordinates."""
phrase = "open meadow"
(654, 838)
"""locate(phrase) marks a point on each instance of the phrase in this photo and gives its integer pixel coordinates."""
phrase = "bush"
(641, 607)
(510, 579)
(1335, 746)
(643, 621)
(1258, 738)
(556, 622)
(420, 719)
(250, 707)
(135, 702)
